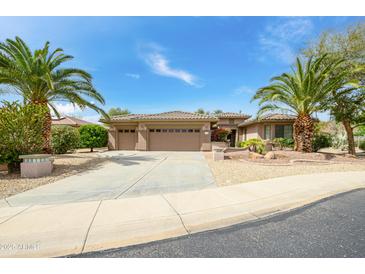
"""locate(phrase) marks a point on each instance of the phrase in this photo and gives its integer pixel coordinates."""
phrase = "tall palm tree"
(41, 78)
(302, 92)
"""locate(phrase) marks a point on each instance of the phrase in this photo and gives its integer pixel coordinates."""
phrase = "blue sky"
(156, 64)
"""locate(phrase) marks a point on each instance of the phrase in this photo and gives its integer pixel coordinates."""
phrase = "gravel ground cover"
(64, 165)
(236, 168)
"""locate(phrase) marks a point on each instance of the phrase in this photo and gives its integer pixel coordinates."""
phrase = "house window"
(284, 131)
(126, 131)
(183, 130)
(190, 130)
(197, 130)
(171, 130)
(158, 130)
(267, 132)
(152, 130)
(177, 130)
(133, 130)
(164, 130)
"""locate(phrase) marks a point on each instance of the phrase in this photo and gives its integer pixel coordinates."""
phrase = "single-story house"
(267, 127)
(69, 121)
(175, 130)
(186, 131)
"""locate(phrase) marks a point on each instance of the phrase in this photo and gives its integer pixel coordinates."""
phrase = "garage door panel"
(174, 139)
(127, 139)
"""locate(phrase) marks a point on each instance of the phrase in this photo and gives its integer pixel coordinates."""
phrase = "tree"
(346, 104)
(41, 78)
(93, 136)
(118, 111)
(20, 131)
(217, 111)
(301, 92)
(200, 111)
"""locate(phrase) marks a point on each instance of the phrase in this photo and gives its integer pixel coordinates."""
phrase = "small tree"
(64, 138)
(118, 111)
(93, 136)
(21, 129)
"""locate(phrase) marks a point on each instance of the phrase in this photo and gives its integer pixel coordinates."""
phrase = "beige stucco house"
(267, 127)
(186, 131)
(175, 130)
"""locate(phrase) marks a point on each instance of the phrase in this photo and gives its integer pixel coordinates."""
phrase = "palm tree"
(40, 78)
(302, 92)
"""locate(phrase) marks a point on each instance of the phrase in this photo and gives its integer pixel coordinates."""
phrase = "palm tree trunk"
(47, 133)
(350, 137)
(303, 133)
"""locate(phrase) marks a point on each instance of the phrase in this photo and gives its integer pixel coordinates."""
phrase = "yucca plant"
(40, 78)
(303, 93)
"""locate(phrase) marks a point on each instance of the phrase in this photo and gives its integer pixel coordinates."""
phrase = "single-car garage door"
(183, 139)
(127, 139)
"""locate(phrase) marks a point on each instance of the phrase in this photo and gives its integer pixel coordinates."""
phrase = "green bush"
(362, 145)
(21, 129)
(283, 143)
(64, 138)
(254, 145)
(93, 136)
(321, 140)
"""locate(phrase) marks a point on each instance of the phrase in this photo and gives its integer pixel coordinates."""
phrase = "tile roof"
(69, 121)
(232, 115)
(269, 117)
(171, 115)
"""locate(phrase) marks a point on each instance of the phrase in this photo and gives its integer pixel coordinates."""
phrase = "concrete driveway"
(127, 174)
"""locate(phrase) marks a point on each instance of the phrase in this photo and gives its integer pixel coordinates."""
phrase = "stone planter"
(36, 165)
(218, 154)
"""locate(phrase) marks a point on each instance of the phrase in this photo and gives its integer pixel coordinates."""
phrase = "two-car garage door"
(183, 139)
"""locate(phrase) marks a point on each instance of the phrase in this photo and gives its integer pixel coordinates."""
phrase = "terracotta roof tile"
(171, 115)
(69, 121)
(269, 117)
(233, 115)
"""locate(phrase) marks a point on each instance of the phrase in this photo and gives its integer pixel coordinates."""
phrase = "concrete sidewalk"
(73, 228)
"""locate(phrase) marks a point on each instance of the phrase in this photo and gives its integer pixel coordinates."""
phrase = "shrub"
(93, 136)
(21, 129)
(64, 138)
(254, 145)
(220, 135)
(321, 140)
(283, 142)
(362, 145)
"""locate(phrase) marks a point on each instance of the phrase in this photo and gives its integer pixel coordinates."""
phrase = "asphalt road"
(334, 227)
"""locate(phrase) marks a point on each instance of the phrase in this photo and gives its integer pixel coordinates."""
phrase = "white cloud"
(160, 65)
(67, 108)
(133, 75)
(244, 90)
(279, 39)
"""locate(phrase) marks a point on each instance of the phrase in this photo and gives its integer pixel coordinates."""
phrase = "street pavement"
(334, 227)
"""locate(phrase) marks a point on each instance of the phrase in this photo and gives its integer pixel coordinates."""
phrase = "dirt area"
(237, 168)
(64, 165)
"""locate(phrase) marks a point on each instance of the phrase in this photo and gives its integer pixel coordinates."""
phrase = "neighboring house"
(69, 121)
(267, 127)
(231, 120)
(175, 130)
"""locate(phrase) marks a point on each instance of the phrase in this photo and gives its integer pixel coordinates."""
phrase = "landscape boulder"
(255, 156)
(270, 155)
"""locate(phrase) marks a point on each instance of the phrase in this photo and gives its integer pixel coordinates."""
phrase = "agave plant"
(303, 93)
(40, 77)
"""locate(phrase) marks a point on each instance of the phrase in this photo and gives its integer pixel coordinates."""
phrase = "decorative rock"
(270, 155)
(254, 156)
